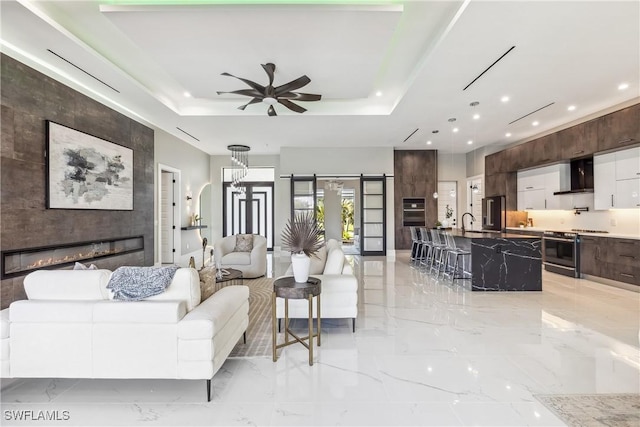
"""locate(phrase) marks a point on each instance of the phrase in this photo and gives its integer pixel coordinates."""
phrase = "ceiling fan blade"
(253, 101)
(300, 96)
(290, 105)
(254, 85)
(293, 85)
(245, 92)
(270, 69)
(271, 111)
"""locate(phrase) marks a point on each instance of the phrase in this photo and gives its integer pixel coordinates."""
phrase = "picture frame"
(87, 172)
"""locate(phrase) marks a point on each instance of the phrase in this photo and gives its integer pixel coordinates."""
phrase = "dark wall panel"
(415, 174)
(29, 98)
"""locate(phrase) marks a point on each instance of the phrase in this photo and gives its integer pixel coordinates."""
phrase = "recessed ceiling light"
(504, 99)
(378, 93)
(476, 116)
(187, 95)
(508, 134)
(455, 129)
(536, 123)
(469, 142)
(428, 142)
(571, 107)
(623, 86)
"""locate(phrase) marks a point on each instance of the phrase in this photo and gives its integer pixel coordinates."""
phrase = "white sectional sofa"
(339, 296)
(70, 328)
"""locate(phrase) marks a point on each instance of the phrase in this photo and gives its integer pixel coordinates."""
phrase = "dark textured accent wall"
(415, 174)
(29, 98)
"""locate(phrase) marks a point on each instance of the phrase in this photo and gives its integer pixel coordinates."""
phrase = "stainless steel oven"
(561, 253)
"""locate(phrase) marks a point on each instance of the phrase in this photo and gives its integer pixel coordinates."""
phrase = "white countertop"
(568, 230)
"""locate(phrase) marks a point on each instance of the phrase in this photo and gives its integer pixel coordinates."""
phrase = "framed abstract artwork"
(86, 172)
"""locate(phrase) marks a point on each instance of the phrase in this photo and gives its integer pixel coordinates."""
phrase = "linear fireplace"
(22, 261)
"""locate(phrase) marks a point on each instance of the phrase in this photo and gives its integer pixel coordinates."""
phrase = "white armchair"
(252, 264)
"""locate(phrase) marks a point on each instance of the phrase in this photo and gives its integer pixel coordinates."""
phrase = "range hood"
(581, 177)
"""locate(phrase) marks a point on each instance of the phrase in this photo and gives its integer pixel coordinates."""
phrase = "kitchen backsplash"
(619, 221)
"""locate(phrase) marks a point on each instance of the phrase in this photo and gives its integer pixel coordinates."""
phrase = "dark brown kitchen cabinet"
(544, 150)
(589, 262)
(611, 258)
(578, 141)
(619, 129)
(494, 163)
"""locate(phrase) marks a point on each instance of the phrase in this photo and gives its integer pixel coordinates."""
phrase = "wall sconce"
(189, 197)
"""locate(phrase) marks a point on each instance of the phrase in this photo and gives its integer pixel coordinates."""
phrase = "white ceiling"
(419, 54)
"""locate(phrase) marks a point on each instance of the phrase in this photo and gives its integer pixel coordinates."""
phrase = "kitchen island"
(503, 261)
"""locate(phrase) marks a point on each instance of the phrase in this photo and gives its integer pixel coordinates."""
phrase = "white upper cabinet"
(536, 187)
(617, 179)
(628, 164)
(604, 181)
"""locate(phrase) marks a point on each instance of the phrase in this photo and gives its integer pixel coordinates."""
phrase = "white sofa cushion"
(67, 284)
(185, 286)
(318, 260)
(43, 311)
(335, 261)
(237, 258)
(4, 323)
(213, 314)
(138, 311)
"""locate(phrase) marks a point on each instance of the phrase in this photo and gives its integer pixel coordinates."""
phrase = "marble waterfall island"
(503, 261)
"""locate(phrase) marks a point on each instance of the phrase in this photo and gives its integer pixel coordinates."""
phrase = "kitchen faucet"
(462, 219)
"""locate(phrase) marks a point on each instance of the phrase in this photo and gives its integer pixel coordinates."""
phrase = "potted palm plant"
(301, 236)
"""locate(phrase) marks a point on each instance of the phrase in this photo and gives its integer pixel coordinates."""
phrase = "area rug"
(259, 330)
(594, 410)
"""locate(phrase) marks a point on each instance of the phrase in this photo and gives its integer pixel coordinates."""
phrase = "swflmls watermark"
(31, 415)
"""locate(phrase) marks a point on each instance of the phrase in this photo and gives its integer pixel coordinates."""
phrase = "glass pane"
(373, 202)
(373, 244)
(372, 215)
(372, 230)
(303, 202)
(302, 187)
(372, 187)
(253, 174)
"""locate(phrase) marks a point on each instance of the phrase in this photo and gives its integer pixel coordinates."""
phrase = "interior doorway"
(475, 191)
(168, 209)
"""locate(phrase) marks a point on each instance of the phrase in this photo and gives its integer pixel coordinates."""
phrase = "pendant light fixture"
(239, 165)
(474, 188)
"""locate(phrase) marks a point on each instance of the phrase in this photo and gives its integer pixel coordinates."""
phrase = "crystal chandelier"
(239, 166)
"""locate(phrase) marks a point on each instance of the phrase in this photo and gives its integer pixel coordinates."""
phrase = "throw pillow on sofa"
(244, 243)
(207, 282)
(335, 261)
(318, 260)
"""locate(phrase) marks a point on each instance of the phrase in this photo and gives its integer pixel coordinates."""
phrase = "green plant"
(438, 224)
(448, 212)
(302, 235)
(347, 218)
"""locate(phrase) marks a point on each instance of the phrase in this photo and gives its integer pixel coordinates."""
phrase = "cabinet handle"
(612, 200)
(597, 253)
(545, 203)
(528, 187)
(578, 152)
(627, 275)
(628, 256)
(625, 140)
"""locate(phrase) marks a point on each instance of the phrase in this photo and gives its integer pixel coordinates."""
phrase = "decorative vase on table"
(301, 236)
(445, 223)
(300, 264)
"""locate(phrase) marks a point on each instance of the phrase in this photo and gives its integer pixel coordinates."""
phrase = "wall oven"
(561, 253)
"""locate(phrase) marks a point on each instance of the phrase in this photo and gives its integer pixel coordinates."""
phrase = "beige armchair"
(252, 264)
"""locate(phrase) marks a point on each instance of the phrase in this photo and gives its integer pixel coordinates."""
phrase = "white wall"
(194, 172)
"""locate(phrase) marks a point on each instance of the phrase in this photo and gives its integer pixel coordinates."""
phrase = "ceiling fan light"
(269, 100)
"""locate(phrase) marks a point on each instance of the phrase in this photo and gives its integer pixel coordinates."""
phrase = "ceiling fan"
(271, 95)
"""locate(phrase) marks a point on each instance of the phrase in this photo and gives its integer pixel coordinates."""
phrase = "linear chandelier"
(239, 165)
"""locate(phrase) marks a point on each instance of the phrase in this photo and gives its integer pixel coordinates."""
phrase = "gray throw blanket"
(138, 283)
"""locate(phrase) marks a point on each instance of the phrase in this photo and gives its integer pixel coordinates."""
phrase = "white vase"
(300, 264)
(445, 223)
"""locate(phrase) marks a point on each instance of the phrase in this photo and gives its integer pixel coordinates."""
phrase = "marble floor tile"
(425, 352)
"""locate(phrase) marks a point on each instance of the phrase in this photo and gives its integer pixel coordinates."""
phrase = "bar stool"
(427, 246)
(438, 249)
(414, 242)
(457, 252)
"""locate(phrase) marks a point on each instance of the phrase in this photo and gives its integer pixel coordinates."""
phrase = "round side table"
(288, 288)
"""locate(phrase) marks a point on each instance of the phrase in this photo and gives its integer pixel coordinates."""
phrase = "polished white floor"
(425, 352)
